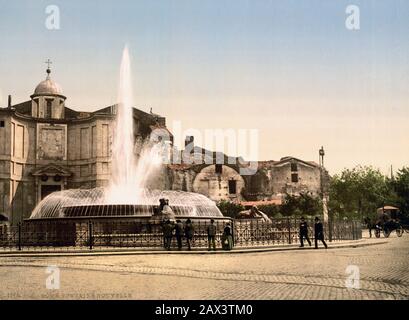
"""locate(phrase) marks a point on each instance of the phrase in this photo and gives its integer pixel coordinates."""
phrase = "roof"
(261, 203)
(23, 107)
(387, 208)
(290, 159)
(48, 87)
(52, 170)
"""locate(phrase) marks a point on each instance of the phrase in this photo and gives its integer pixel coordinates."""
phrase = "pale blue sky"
(288, 68)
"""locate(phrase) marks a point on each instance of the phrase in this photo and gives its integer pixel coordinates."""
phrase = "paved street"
(301, 274)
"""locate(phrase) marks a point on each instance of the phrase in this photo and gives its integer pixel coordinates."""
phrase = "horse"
(371, 225)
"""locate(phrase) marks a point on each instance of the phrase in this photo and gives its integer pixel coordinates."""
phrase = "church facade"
(46, 147)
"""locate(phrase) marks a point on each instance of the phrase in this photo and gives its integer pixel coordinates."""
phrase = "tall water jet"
(129, 173)
(123, 157)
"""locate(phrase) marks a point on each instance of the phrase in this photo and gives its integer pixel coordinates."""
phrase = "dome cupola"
(48, 86)
(47, 100)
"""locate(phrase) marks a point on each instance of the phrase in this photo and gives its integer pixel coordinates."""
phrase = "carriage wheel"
(386, 233)
(399, 231)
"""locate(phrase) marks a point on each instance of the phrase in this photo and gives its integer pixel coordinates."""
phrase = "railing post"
(19, 236)
(353, 230)
(330, 230)
(90, 238)
(289, 230)
(232, 232)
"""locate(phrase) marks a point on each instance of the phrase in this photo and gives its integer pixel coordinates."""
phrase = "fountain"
(127, 195)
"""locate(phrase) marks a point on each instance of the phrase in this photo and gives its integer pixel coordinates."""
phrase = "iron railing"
(130, 234)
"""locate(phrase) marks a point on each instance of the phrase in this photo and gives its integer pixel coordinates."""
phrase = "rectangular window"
(232, 186)
(48, 109)
(294, 166)
(219, 169)
(294, 177)
(2, 124)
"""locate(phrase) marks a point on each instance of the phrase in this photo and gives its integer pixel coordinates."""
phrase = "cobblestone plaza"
(297, 274)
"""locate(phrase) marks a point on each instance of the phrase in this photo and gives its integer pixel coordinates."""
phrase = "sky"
(289, 69)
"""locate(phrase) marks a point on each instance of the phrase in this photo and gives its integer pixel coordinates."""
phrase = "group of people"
(187, 230)
(318, 233)
(170, 228)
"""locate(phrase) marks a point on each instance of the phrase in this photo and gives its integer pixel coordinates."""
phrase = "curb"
(14, 254)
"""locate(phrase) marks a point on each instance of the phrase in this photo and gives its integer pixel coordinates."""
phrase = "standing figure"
(319, 233)
(167, 234)
(304, 232)
(189, 232)
(179, 233)
(227, 238)
(211, 235)
(167, 211)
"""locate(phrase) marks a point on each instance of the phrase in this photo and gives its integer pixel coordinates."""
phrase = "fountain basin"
(92, 203)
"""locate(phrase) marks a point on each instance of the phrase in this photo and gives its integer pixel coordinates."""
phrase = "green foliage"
(271, 210)
(357, 193)
(304, 204)
(301, 205)
(229, 209)
(400, 186)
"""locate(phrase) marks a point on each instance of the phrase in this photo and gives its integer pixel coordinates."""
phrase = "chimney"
(9, 102)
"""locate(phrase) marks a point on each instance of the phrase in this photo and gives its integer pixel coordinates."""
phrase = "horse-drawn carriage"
(386, 221)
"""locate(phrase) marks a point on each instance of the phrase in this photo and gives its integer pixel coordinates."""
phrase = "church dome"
(48, 87)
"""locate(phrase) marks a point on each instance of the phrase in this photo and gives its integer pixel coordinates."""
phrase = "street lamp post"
(323, 193)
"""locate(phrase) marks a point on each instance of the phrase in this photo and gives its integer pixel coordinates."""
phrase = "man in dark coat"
(179, 233)
(211, 235)
(189, 232)
(167, 234)
(319, 233)
(227, 238)
(304, 232)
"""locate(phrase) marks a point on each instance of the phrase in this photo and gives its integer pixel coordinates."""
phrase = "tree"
(271, 210)
(400, 186)
(302, 204)
(359, 192)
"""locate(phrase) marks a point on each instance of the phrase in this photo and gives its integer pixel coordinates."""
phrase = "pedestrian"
(189, 232)
(304, 232)
(319, 233)
(211, 235)
(227, 238)
(167, 234)
(179, 233)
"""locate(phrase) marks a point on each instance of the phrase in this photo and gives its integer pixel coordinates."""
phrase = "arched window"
(48, 108)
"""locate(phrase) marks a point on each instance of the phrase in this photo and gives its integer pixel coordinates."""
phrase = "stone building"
(272, 181)
(46, 146)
